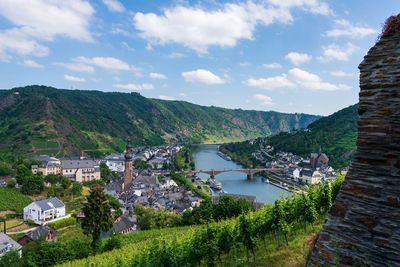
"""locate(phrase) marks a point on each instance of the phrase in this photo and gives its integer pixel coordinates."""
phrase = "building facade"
(81, 170)
(50, 165)
(44, 210)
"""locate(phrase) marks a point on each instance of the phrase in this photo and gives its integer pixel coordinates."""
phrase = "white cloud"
(345, 28)
(335, 52)
(74, 79)
(272, 66)
(135, 87)
(114, 5)
(271, 83)
(296, 78)
(104, 62)
(32, 64)
(38, 20)
(244, 64)
(265, 100)
(312, 81)
(313, 6)
(202, 76)
(341, 73)
(182, 94)
(157, 75)
(164, 97)
(80, 67)
(298, 58)
(198, 28)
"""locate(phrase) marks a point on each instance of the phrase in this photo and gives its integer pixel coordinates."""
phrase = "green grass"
(73, 232)
(12, 199)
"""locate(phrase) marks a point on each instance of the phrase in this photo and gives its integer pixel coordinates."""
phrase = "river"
(206, 158)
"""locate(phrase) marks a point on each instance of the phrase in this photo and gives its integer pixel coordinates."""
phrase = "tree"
(206, 210)
(65, 182)
(31, 184)
(11, 259)
(145, 217)
(243, 206)
(104, 171)
(97, 215)
(11, 183)
(4, 169)
(225, 208)
(37, 162)
(141, 164)
(22, 173)
(52, 179)
(76, 189)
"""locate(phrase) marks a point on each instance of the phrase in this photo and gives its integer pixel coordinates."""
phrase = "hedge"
(62, 223)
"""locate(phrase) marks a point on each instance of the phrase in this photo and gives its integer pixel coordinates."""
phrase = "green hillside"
(336, 134)
(12, 199)
(45, 120)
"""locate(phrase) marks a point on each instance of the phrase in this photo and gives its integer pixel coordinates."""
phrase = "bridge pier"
(212, 176)
(249, 176)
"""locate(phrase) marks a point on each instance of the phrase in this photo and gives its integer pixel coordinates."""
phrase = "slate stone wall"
(364, 221)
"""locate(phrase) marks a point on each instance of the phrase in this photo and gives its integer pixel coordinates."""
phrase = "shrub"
(62, 223)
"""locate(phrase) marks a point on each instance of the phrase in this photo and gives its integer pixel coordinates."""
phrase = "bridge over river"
(213, 172)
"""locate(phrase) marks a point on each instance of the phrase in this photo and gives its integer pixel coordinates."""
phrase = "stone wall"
(364, 221)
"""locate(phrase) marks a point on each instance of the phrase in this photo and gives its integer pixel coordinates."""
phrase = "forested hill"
(46, 120)
(336, 134)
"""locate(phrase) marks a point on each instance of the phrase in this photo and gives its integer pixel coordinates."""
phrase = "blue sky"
(283, 55)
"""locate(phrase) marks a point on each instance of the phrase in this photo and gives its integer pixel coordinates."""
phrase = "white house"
(44, 210)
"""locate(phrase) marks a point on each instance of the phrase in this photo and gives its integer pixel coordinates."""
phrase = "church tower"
(128, 166)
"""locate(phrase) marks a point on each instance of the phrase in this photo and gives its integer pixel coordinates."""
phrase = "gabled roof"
(42, 230)
(5, 240)
(144, 179)
(76, 164)
(126, 222)
(50, 203)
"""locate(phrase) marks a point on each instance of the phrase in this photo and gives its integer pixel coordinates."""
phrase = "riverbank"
(206, 158)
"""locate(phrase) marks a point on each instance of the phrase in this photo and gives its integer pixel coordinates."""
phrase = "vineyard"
(276, 226)
(12, 199)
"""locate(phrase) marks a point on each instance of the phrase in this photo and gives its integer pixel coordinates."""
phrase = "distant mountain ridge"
(39, 119)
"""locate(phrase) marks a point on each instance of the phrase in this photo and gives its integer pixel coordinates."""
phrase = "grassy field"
(12, 199)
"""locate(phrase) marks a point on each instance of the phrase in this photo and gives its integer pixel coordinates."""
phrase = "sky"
(283, 55)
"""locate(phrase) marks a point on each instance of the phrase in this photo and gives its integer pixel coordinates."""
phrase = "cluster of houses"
(311, 170)
(156, 157)
(143, 187)
(76, 169)
(148, 190)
